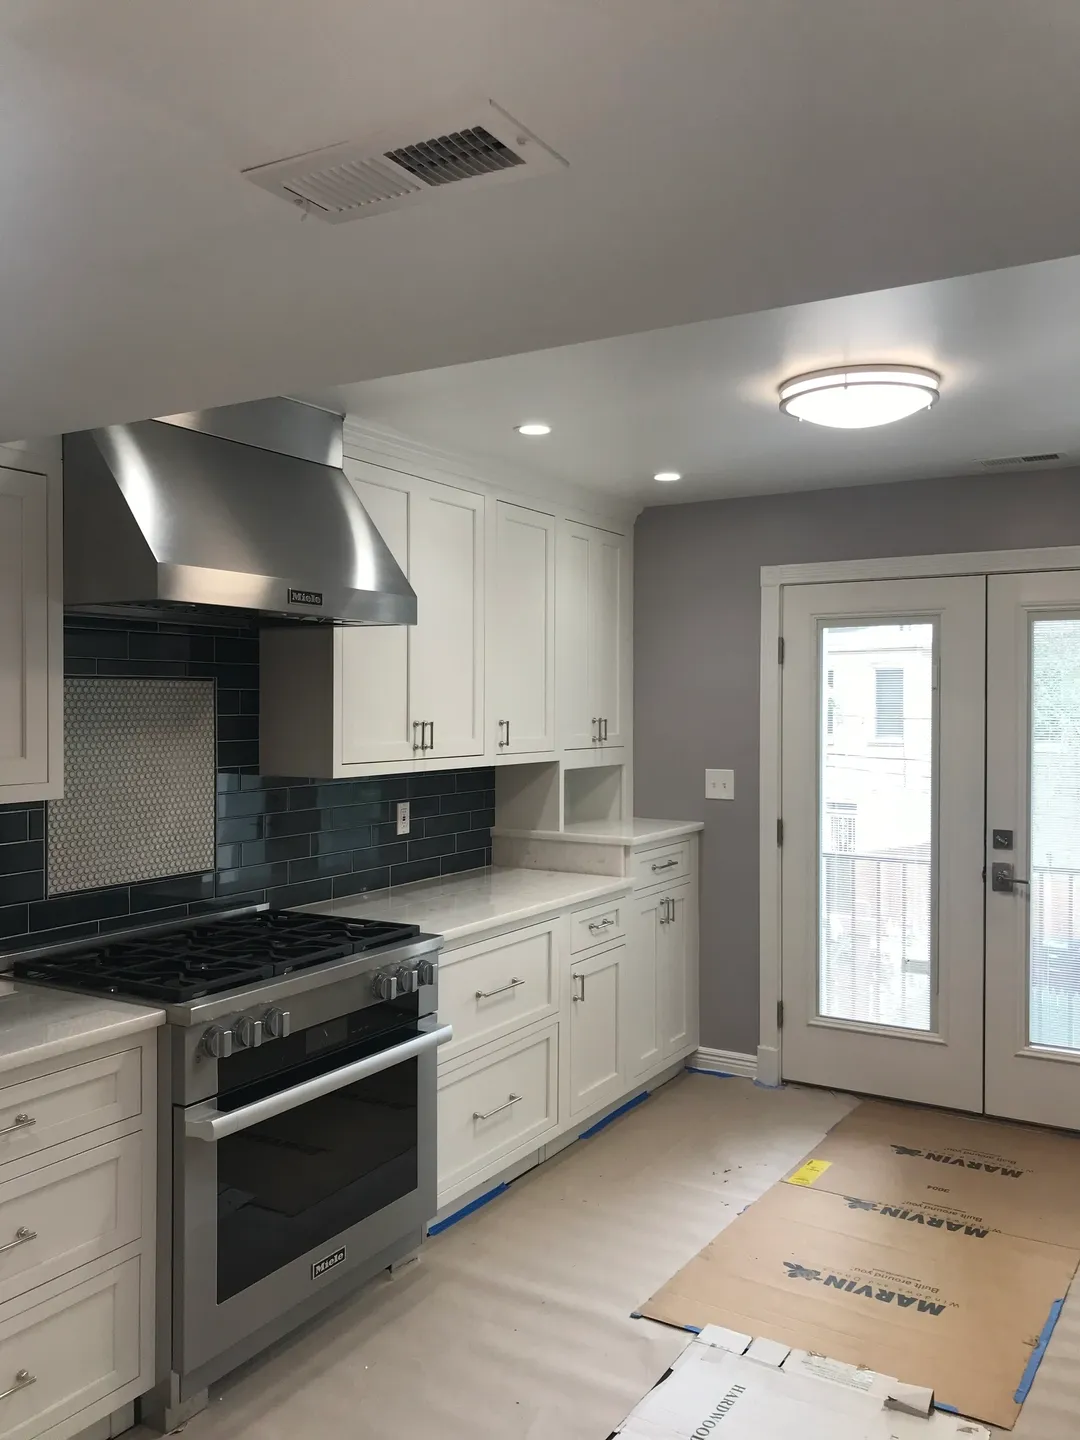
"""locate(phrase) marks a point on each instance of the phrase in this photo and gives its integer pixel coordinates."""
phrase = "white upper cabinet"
(522, 675)
(446, 645)
(593, 637)
(367, 698)
(31, 673)
(375, 719)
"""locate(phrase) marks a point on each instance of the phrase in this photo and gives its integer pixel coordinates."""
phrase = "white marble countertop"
(38, 1024)
(612, 832)
(459, 907)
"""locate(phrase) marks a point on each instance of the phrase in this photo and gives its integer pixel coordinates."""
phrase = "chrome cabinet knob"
(384, 985)
(249, 1032)
(217, 1042)
(277, 1024)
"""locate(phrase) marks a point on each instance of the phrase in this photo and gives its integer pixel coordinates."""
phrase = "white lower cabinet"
(77, 1239)
(498, 1103)
(597, 1068)
(663, 1006)
(59, 1357)
(555, 1023)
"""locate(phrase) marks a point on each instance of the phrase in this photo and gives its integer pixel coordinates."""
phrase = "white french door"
(882, 777)
(1033, 854)
(930, 866)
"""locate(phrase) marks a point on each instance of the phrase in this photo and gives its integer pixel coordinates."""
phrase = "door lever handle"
(1003, 880)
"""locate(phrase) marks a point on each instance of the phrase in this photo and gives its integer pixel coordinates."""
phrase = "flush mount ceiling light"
(666, 476)
(533, 427)
(855, 397)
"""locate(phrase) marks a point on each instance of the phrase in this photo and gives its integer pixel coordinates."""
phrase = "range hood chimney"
(240, 509)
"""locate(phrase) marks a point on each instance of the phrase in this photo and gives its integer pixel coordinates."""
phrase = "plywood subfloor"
(516, 1324)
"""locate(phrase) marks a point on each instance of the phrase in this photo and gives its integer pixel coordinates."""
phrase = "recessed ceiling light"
(667, 475)
(533, 427)
(857, 396)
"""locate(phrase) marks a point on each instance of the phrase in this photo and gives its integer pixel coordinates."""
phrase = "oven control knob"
(277, 1024)
(249, 1032)
(217, 1042)
(426, 971)
(408, 980)
(385, 985)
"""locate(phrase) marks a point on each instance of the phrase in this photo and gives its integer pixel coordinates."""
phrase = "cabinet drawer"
(488, 990)
(662, 866)
(595, 926)
(494, 1106)
(66, 1103)
(78, 1347)
(64, 1215)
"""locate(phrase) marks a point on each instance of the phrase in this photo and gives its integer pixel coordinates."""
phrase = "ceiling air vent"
(1013, 462)
(475, 145)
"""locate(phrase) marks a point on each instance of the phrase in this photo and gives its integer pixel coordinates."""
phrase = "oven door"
(285, 1187)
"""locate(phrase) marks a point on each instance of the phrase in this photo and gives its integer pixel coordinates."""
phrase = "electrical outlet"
(719, 784)
(403, 821)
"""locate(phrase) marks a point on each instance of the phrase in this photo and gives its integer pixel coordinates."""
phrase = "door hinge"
(779, 1014)
(779, 832)
(780, 650)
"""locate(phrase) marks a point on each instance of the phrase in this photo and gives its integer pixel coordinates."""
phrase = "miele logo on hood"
(305, 597)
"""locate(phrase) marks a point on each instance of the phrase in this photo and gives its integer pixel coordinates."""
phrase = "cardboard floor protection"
(922, 1245)
(759, 1390)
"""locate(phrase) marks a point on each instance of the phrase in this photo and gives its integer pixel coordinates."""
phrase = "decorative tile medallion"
(139, 786)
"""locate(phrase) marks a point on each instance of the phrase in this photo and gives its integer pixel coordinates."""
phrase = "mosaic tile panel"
(139, 765)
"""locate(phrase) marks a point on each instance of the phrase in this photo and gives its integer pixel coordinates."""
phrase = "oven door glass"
(297, 1181)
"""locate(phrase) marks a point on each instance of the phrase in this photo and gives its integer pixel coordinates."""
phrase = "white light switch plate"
(719, 784)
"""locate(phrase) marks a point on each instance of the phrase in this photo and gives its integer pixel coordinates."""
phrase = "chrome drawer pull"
(665, 866)
(597, 925)
(23, 1378)
(487, 1114)
(487, 994)
(22, 1236)
(21, 1123)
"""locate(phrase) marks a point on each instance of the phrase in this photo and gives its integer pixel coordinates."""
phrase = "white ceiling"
(702, 399)
(723, 158)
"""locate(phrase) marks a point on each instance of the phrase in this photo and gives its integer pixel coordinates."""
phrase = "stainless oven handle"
(207, 1122)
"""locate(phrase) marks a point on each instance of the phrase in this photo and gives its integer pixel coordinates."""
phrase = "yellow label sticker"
(809, 1173)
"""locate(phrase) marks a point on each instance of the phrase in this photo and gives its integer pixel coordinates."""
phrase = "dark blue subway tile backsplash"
(288, 840)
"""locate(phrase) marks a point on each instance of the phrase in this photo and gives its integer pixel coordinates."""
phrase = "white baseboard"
(723, 1062)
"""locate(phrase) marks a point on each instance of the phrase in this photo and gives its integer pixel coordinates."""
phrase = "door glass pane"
(876, 785)
(1054, 936)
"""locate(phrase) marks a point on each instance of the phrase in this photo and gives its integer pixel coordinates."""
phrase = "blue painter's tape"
(716, 1074)
(441, 1225)
(762, 1086)
(951, 1409)
(1028, 1377)
(622, 1109)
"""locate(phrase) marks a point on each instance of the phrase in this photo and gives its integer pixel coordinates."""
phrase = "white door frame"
(773, 579)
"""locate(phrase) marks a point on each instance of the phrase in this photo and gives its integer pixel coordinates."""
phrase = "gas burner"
(177, 966)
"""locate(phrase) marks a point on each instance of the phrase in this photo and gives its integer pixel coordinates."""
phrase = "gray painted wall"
(696, 637)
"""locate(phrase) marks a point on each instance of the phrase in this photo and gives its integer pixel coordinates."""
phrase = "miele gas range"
(297, 1089)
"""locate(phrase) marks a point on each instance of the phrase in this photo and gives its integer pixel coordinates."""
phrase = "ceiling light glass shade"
(533, 427)
(858, 396)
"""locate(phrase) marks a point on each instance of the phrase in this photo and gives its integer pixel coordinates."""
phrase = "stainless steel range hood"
(244, 508)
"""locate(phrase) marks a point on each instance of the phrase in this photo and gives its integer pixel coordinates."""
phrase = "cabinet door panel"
(524, 619)
(646, 1036)
(576, 728)
(374, 659)
(597, 1048)
(447, 642)
(24, 637)
(675, 999)
(606, 604)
